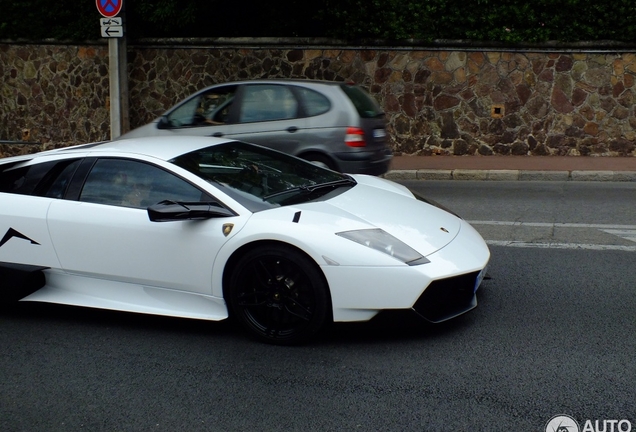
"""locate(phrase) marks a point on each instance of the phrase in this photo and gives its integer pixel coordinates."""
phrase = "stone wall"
(449, 102)
(53, 94)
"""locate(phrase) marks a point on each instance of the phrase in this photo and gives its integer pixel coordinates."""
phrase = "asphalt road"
(542, 201)
(554, 333)
(588, 215)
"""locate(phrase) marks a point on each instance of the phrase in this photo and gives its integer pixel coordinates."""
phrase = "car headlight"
(382, 241)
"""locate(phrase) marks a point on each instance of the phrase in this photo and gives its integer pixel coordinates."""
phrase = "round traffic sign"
(109, 8)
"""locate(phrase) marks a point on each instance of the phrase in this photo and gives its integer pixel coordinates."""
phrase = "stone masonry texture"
(437, 102)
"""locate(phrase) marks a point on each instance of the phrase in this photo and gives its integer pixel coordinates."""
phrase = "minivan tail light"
(355, 137)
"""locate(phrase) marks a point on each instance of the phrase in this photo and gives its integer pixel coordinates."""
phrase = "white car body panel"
(419, 226)
(121, 244)
(17, 249)
(77, 290)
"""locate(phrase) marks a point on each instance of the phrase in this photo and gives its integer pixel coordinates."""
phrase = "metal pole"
(123, 85)
(123, 75)
(115, 100)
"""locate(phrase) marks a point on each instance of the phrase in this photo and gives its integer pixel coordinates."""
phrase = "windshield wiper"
(308, 189)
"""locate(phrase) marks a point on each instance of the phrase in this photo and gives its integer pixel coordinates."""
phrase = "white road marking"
(555, 224)
(596, 247)
(627, 232)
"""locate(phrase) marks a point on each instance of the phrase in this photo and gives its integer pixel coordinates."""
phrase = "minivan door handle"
(292, 129)
(217, 134)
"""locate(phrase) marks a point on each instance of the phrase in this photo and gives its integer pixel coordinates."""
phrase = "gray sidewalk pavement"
(511, 168)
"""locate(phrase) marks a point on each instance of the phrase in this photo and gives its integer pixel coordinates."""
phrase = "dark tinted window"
(45, 179)
(58, 179)
(136, 184)
(313, 102)
(366, 106)
(12, 180)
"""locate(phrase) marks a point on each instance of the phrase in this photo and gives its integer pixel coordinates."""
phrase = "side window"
(12, 180)
(313, 102)
(48, 179)
(214, 106)
(209, 108)
(127, 183)
(266, 102)
(59, 179)
(183, 115)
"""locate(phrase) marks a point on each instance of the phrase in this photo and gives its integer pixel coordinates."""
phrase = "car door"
(269, 115)
(107, 234)
(24, 204)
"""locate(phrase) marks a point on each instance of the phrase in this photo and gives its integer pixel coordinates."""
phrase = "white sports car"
(206, 228)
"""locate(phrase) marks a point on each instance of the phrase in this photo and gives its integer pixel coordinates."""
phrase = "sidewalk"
(511, 168)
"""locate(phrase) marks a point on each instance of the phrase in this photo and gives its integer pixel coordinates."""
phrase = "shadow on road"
(388, 326)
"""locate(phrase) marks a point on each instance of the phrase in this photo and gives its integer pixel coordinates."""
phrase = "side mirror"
(169, 211)
(164, 123)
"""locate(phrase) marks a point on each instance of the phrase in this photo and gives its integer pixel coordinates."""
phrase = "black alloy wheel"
(279, 295)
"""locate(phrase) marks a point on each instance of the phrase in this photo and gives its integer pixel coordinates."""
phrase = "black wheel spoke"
(298, 310)
(263, 274)
(246, 302)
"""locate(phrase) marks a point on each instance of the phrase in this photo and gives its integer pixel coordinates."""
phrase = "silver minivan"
(334, 124)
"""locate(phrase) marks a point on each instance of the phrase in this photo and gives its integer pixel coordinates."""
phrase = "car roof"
(282, 81)
(163, 148)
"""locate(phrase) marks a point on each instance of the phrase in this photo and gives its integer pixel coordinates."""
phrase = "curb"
(511, 175)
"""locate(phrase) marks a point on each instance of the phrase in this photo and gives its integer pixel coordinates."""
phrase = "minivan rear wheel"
(321, 161)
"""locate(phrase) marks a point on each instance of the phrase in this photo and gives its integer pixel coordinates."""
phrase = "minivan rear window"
(313, 102)
(366, 106)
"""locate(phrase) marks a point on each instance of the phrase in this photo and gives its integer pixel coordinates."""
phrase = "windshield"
(260, 178)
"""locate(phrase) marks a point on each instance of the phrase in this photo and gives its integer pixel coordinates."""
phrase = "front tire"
(278, 295)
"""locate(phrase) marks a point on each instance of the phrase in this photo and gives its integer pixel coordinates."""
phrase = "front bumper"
(440, 290)
(447, 298)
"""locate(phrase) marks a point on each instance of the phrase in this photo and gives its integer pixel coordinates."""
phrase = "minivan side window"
(266, 102)
(207, 109)
(313, 102)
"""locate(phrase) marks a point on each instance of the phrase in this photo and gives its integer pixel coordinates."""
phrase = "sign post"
(112, 27)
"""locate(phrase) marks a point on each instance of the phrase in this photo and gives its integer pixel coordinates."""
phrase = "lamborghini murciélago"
(207, 228)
